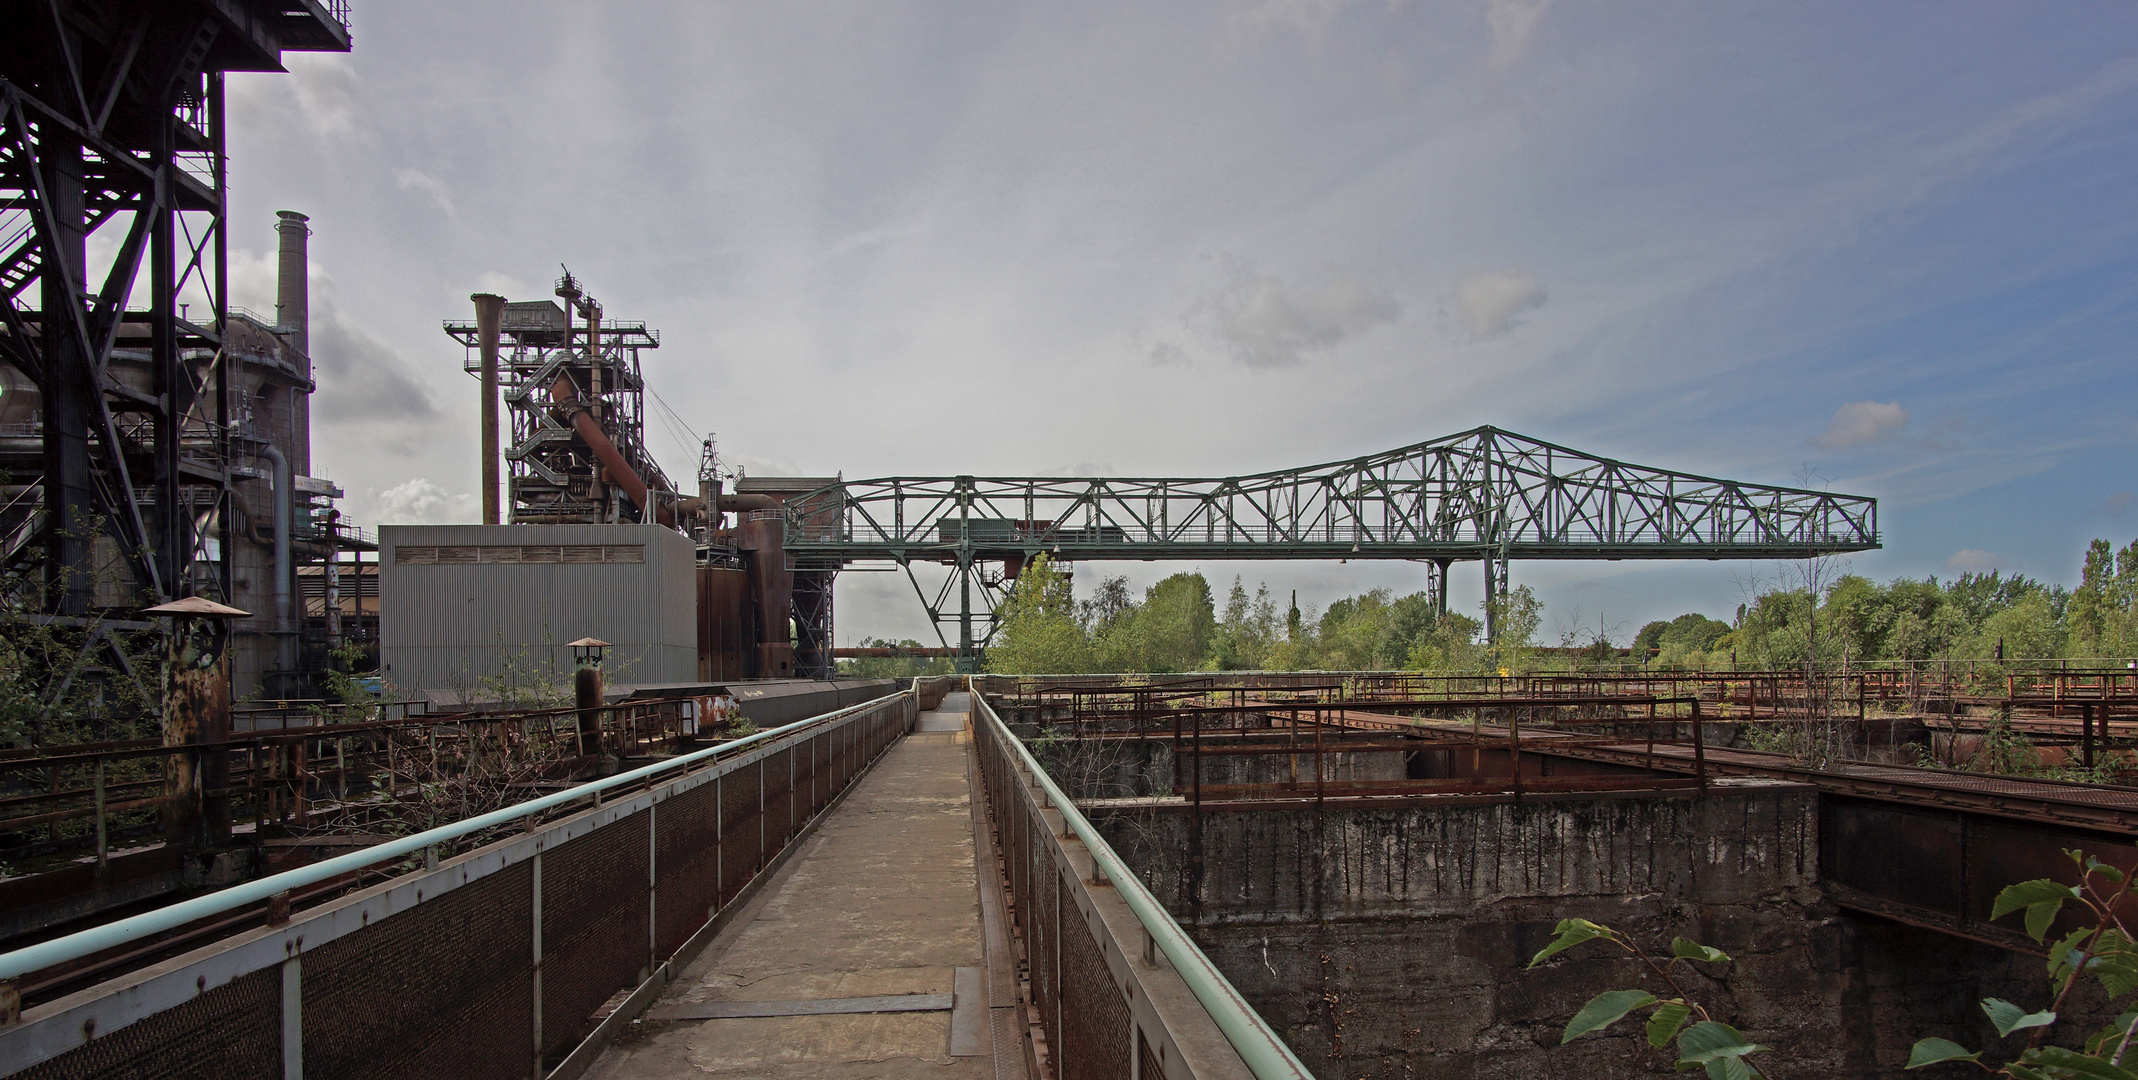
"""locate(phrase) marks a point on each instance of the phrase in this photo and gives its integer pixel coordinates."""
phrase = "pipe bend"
(566, 397)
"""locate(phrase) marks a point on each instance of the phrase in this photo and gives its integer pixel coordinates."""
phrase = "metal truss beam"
(111, 119)
(1483, 495)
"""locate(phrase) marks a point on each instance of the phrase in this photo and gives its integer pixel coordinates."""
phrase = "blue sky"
(1889, 247)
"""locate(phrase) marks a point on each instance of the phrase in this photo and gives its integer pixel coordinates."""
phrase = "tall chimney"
(293, 311)
(489, 315)
(292, 301)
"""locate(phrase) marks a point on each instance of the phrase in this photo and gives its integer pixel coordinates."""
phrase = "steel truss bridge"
(1485, 495)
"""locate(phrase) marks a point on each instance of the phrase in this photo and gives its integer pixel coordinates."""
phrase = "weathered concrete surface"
(1392, 942)
(881, 900)
(1109, 768)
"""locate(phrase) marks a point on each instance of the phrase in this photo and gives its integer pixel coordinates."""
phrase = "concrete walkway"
(881, 901)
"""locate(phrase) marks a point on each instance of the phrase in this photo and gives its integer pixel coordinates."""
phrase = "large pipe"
(595, 365)
(284, 485)
(738, 502)
(612, 460)
(489, 318)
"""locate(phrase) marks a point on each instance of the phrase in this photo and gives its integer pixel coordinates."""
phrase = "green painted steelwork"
(1483, 495)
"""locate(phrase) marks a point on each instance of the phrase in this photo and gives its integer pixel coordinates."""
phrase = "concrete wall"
(454, 610)
(1112, 768)
(1392, 942)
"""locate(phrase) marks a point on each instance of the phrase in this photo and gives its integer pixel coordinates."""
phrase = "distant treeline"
(1177, 625)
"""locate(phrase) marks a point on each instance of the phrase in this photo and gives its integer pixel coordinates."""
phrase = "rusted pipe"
(587, 693)
(196, 709)
(612, 459)
(489, 319)
(735, 501)
(284, 618)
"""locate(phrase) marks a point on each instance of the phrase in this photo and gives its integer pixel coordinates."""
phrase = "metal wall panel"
(451, 617)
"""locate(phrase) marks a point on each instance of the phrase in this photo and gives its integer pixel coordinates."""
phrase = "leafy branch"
(2102, 949)
(1703, 1043)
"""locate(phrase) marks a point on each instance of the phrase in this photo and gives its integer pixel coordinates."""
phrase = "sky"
(1885, 249)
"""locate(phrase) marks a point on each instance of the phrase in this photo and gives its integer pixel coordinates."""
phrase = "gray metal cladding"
(463, 606)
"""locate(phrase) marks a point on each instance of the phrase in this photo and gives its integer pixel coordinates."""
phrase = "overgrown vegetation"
(2102, 948)
(893, 667)
(1815, 619)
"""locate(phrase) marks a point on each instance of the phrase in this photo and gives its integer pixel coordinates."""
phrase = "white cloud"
(1512, 22)
(1861, 423)
(420, 502)
(1972, 561)
(1263, 323)
(418, 180)
(1488, 305)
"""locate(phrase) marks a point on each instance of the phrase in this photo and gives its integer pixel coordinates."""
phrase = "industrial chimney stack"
(489, 317)
(292, 300)
(293, 313)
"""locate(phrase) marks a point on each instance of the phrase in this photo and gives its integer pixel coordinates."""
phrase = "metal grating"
(686, 863)
(593, 926)
(441, 990)
(740, 847)
(779, 787)
(234, 1030)
(1094, 1015)
(1042, 931)
(819, 773)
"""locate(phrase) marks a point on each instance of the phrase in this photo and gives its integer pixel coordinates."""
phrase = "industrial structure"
(154, 447)
(1486, 495)
(472, 883)
(577, 455)
(574, 453)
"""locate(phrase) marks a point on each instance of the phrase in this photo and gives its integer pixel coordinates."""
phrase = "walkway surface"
(878, 910)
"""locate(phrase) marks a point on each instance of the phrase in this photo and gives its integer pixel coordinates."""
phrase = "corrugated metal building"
(463, 604)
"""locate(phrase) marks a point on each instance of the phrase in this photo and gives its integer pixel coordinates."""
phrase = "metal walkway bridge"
(1484, 495)
(892, 889)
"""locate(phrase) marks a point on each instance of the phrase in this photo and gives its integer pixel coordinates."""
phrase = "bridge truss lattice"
(1484, 495)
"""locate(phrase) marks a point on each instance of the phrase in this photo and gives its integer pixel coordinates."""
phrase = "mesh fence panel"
(1085, 1016)
(1095, 1019)
(1147, 1065)
(819, 772)
(1043, 930)
(686, 863)
(779, 803)
(234, 1030)
(444, 989)
(740, 846)
(593, 926)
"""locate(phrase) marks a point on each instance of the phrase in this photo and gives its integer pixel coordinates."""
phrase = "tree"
(1516, 614)
(1247, 631)
(1171, 630)
(1449, 645)
(893, 667)
(1039, 632)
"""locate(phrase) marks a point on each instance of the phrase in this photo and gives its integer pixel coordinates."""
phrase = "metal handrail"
(96, 939)
(1264, 1053)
